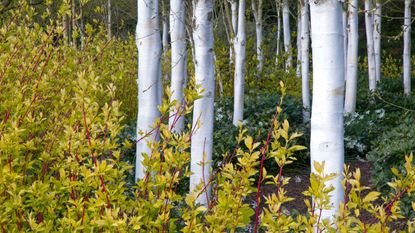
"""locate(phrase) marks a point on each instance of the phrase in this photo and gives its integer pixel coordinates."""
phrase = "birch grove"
(149, 79)
(327, 142)
(202, 139)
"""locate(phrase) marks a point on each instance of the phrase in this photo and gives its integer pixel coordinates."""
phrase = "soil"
(299, 182)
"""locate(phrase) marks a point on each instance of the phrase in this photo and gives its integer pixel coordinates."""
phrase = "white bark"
(305, 45)
(257, 10)
(202, 139)
(327, 143)
(240, 44)
(287, 33)
(165, 35)
(407, 48)
(178, 61)
(345, 42)
(149, 77)
(109, 20)
(278, 31)
(377, 32)
(234, 19)
(298, 66)
(370, 46)
(352, 56)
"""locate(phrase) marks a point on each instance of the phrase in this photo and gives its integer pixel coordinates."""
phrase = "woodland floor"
(299, 182)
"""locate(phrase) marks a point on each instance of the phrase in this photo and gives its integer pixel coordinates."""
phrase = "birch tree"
(178, 61)
(239, 82)
(278, 4)
(352, 56)
(165, 23)
(377, 22)
(109, 20)
(407, 48)
(370, 45)
(149, 78)
(298, 67)
(257, 11)
(345, 39)
(305, 44)
(202, 139)
(287, 32)
(328, 87)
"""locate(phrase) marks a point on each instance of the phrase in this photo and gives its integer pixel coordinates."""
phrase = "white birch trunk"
(202, 139)
(352, 56)
(370, 46)
(178, 62)
(165, 36)
(234, 19)
(287, 33)
(149, 77)
(305, 52)
(327, 142)
(240, 44)
(345, 42)
(377, 38)
(109, 20)
(298, 66)
(407, 48)
(257, 10)
(278, 32)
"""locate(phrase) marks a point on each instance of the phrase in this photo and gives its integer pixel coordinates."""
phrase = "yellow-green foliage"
(61, 166)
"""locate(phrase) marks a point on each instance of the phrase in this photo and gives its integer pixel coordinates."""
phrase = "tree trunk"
(298, 65)
(202, 139)
(165, 22)
(109, 22)
(345, 40)
(370, 46)
(73, 17)
(305, 44)
(178, 61)
(377, 37)
(257, 10)
(328, 91)
(278, 52)
(287, 33)
(407, 49)
(240, 44)
(352, 56)
(149, 78)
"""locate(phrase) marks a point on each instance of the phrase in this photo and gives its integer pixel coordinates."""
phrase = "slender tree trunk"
(407, 48)
(352, 55)
(345, 40)
(305, 45)
(73, 17)
(327, 143)
(287, 33)
(234, 16)
(67, 29)
(257, 10)
(298, 65)
(81, 25)
(278, 52)
(165, 22)
(377, 37)
(149, 78)
(202, 139)
(178, 62)
(370, 46)
(240, 44)
(109, 20)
